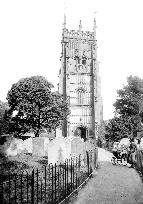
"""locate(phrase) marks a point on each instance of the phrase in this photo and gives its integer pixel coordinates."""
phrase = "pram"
(119, 156)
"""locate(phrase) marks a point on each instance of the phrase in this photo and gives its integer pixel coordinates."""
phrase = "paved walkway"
(112, 184)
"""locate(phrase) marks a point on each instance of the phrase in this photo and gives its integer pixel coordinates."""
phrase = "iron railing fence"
(50, 185)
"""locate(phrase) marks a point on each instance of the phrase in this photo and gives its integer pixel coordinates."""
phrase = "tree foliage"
(101, 134)
(36, 106)
(3, 122)
(128, 109)
(117, 128)
(129, 101)
(3, 108)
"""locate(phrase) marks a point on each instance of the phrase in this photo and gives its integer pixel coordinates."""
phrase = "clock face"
(79, 67)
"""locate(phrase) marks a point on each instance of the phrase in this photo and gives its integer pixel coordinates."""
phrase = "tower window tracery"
(77, 59)
(80, 96)
(84, 60)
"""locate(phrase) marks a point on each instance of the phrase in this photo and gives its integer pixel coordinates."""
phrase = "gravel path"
(112, 184)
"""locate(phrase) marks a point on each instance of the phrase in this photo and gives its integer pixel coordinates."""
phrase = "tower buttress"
(64, 71)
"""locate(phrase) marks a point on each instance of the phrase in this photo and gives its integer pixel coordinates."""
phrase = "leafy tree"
(128, 106)
(130, 97)
(3, 108)
(36, 106)
(3, 122)
(101, 134)
(117, 128)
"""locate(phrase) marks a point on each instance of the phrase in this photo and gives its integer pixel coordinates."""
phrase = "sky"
(31, 33)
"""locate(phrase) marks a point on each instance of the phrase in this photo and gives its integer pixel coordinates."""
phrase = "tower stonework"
(79, 82)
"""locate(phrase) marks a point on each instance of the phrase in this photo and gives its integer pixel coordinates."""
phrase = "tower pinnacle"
(80, 26)
(64, 24)
(95, 28)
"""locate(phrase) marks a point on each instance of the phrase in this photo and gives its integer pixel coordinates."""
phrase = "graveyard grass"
(25, 162)
(21, 162)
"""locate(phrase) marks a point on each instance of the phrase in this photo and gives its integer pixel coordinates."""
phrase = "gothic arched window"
(80, 96)
(83, 60)
(77, 59)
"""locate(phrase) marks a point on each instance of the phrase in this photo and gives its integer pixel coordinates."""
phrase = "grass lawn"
(19, 163)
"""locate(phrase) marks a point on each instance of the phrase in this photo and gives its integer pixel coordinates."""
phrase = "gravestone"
(77, 146)
(40, 146)
(58, 133)
(27, 144)
(92, 149)
(57, 150)
(16, 147)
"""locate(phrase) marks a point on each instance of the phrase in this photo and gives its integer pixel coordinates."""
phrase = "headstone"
(58, 132)
(15, 147)
(27, 144)
(77, 146)
(56, 150)
(91, 148)
(40, 146)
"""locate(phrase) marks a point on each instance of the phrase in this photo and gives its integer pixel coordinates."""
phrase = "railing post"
(55, 182)
(2, 194)
(37, 185)
(45, 182)
(67, 178)
(27, 187)
(87, 157)
(15, 188)
(32, 187)
(41, 192)
(58, 184)
(9, 191)
(21, 182)
(96, 157)
(76, 181)
(65, 181)
(91, 167)
(79, 165)
(71, 175)
(52, 185)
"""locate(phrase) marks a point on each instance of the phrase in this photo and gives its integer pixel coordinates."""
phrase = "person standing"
(132, 152)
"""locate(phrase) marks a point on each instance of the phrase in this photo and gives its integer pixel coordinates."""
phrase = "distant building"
(79, 82)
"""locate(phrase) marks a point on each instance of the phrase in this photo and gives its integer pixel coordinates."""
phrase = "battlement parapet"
(77, 34)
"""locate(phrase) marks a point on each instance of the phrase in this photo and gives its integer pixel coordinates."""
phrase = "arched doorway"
(81, 132)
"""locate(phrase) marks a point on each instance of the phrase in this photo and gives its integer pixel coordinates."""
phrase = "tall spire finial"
(95, 26)
(80, 26)
(64, 24)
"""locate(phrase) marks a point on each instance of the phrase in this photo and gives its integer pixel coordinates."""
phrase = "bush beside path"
(111, 184)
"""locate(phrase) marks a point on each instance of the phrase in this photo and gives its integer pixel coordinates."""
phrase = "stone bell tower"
(79, 82)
